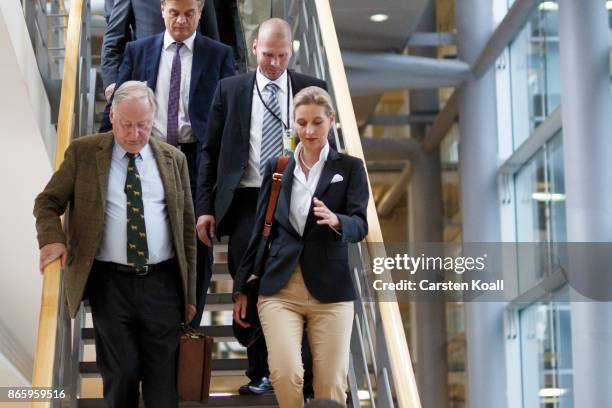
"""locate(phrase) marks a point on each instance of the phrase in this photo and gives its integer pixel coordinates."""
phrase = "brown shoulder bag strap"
(277, 178)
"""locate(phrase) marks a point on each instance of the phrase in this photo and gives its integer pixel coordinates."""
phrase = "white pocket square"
(337, 178)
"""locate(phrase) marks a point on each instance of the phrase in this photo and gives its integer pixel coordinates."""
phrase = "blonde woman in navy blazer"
(306, 277)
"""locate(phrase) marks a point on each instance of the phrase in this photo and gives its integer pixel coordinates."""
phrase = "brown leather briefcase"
(194, 366)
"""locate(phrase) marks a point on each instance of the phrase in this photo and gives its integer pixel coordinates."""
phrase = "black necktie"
(137, 251)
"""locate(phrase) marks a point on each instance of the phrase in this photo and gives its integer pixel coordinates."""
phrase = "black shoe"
(257, 387)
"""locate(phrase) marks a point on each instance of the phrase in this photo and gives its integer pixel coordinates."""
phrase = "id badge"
(290, 142)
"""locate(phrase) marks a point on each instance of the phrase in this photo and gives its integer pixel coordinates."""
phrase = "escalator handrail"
(399, 356)
(49, 319)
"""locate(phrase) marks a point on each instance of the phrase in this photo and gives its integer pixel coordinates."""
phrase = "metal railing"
(52, 365)
(381, 372)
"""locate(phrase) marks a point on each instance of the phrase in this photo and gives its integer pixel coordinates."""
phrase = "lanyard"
(285, 127)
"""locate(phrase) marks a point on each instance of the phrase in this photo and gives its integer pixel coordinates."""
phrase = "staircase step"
(219, 301)
(214, 302)
(221, 366)
(237, 401)
(218, 333)
(220, 272)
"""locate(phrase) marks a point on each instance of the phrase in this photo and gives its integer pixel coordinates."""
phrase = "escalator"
(380, 372)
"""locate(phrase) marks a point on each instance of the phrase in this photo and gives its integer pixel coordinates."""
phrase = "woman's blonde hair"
(314, 95)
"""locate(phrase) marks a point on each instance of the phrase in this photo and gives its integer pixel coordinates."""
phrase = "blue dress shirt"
(113, 247)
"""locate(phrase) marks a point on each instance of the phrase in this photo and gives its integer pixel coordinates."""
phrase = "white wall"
(23, 54)
(24, 170)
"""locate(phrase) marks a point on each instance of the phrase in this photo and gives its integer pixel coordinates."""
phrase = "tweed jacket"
(79, 189)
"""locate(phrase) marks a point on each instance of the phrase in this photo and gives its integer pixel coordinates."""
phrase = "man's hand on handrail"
(50, 253)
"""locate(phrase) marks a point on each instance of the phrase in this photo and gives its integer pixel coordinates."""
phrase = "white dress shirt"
(114, 243)
(251, 177)
(303, 189)
(162, 89)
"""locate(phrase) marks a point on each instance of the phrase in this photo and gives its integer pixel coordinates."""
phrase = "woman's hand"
(326, 216)
(240, 309)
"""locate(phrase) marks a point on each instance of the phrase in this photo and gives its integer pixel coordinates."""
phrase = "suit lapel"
(165, 166)
(104, 155)
(332, 167)
(245, 104)
(153, 57)
(284, 200)
(295, 84)
(163, 158)
(199, 65)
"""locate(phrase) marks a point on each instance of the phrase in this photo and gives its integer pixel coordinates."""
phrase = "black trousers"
(239, 226)
(204, 254)
(137, 325)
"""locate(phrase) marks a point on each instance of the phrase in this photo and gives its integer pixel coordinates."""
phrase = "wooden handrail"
(399, 356)
(44, 357)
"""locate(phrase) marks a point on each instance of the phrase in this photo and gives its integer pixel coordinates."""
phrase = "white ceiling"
(357, 32)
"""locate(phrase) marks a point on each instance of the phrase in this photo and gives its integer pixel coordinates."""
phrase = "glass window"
(540, 210)
(535, 70)
(546, 344)
(451, 193)
(609, 8)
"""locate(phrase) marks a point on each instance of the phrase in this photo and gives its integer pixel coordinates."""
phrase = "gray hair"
(134, 90)
(200, 3)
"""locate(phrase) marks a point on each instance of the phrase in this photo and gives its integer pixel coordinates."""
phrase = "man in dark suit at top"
(183, 68)
(246, 122)
(128, 20)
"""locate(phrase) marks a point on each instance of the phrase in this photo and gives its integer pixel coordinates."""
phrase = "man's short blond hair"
(275, 28)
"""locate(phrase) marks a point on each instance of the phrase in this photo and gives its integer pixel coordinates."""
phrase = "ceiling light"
(363, 395)
(609, 5)
(379, 18)
(548, 197)
(552, 392)
(549, 6)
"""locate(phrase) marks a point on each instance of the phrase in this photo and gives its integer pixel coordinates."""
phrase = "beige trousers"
(329, 333)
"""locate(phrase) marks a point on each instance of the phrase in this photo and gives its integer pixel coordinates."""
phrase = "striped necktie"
(137, 249)
(174, 97)
(272, 130)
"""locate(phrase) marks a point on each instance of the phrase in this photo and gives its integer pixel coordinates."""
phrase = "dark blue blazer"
(225, 152)
(211, 62)
(321, 252)
(135, 19)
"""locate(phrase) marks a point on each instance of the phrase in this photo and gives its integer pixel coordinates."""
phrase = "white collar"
(263, 81)
(322, 155)
(120, 152)
(188, 43)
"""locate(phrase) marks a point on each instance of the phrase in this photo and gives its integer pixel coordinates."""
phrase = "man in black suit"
(183, 69)
(135, 19)
(230, 171)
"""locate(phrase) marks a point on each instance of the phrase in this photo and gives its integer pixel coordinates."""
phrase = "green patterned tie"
(137, 251)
